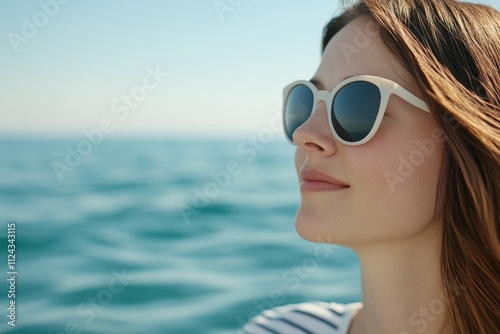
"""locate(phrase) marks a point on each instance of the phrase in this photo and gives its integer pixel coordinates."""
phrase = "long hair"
(452, 49)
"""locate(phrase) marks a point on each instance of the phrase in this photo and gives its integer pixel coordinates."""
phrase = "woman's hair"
(452, 49)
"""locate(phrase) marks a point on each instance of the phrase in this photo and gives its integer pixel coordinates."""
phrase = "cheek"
(398, 184)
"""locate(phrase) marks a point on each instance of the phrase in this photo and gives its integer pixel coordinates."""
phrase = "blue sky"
(66, 65)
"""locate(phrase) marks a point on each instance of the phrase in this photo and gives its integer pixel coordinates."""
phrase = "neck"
(402, 290)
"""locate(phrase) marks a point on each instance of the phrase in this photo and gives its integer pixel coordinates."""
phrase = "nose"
(314, 135)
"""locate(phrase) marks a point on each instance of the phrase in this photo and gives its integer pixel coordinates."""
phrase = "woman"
(398, 158)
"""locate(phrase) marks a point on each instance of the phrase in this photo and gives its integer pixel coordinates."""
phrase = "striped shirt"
(304, 318)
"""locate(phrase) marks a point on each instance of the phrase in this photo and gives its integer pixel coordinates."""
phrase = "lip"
(313, 180)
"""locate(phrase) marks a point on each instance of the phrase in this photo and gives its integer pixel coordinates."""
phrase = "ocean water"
(157, 236)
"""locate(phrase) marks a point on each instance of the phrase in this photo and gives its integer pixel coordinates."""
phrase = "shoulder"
(309, 317)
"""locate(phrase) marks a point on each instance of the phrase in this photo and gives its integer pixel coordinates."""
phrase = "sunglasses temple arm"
(410, 98)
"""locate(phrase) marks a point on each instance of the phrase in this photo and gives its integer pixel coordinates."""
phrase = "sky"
(153, 67)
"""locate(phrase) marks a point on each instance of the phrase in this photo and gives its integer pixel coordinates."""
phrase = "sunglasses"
(355, 106)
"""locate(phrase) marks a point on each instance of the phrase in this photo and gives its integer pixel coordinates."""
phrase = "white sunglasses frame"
(386, 87)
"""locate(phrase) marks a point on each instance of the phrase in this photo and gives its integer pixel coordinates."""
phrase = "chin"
(314, 227)
(317, 229)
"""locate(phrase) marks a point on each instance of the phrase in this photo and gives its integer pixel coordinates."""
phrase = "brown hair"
(452, 49)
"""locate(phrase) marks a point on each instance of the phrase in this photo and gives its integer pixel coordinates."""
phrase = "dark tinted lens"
(355, 109)
(298, 108)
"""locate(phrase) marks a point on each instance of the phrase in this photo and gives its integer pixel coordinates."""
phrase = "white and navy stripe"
(304, 318)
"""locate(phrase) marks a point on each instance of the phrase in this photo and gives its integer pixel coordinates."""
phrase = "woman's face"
(392, 178)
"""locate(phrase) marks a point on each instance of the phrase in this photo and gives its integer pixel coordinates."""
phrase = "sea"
(163, 235)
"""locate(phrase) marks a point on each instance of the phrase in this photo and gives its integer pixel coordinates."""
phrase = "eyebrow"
(319, 84)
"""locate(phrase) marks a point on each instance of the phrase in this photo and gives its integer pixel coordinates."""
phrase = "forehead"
(357, 49)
